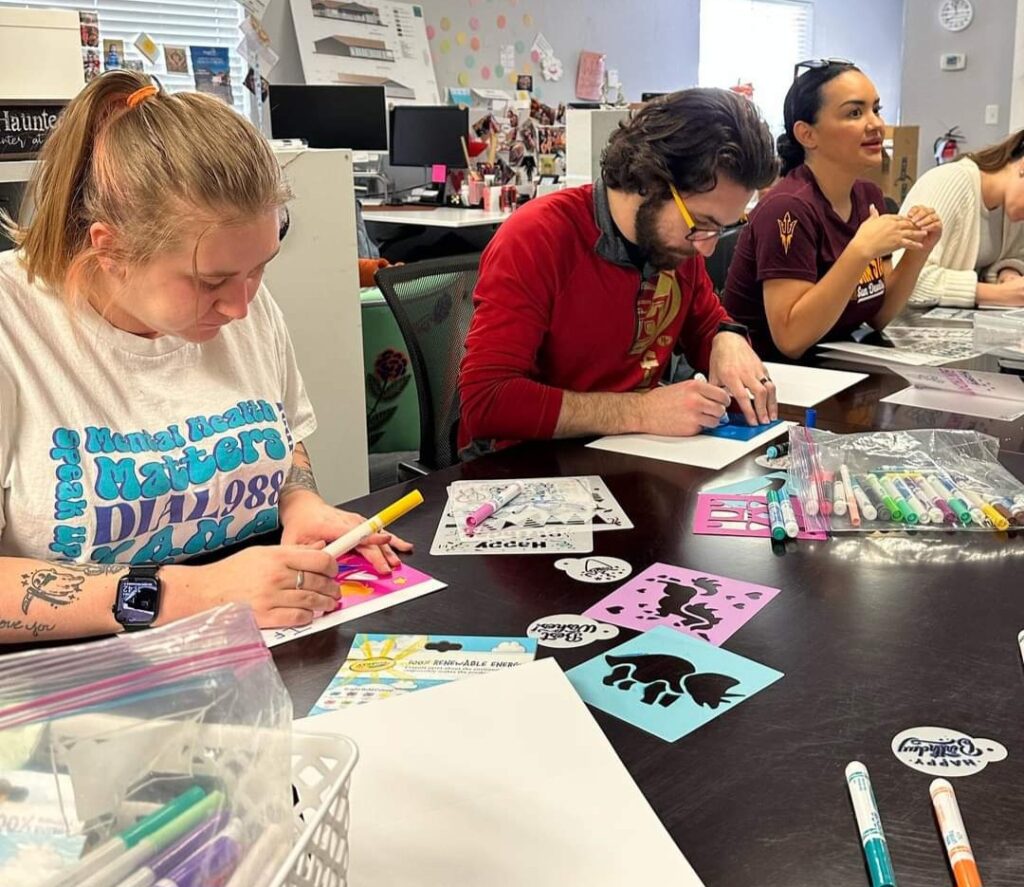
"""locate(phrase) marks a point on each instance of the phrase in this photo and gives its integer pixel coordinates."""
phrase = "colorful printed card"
(362, 592)
(700, 604)
(735, 515)
(667, 683)
(383, 665)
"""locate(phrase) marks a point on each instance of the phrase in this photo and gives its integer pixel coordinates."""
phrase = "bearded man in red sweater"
(583, 295)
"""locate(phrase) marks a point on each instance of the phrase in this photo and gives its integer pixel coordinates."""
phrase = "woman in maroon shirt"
(814, 262)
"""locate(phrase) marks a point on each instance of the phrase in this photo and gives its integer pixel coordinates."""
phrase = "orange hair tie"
(140, 95)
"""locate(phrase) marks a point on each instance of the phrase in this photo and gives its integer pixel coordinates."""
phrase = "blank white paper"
(964, 404)
(800, 386)
(701, 450)
(500, 780)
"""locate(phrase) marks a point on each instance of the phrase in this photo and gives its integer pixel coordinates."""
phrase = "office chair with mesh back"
(433, 304)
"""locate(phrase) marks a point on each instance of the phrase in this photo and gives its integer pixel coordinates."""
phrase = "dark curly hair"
(688, 138)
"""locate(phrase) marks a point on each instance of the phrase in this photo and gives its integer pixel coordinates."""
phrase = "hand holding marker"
(491, 506)
(344, 544)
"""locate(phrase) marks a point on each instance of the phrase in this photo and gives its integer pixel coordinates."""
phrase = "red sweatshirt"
(559, 305)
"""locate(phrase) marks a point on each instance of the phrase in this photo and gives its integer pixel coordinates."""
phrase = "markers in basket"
(119, 844)
(212, 864)
(775, 519)
(954, 835)
(492, 506)
(869, 823)
(129, 861)
(844, 472)
(344, 544)
(164, 863)
(266, 855)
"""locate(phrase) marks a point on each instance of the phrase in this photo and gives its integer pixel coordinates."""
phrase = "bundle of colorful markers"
(910, 497)
(876, 850)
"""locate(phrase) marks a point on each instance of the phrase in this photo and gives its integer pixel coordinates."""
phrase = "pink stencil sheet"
(360, 583)
(729, 515)
(700, 604)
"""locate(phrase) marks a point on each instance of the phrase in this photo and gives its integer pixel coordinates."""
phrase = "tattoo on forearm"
(37, 628)
(60, 584)
(300, 476)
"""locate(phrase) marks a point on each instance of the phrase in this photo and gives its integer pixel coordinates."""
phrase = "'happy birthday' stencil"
(942, 751)
(704, 605)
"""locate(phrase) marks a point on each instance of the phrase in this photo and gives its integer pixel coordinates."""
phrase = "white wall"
(937, 100)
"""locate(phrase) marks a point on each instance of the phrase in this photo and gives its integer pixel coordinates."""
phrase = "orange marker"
(954, 836)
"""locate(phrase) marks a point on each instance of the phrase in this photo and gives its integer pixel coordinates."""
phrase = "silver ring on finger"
(300, 579)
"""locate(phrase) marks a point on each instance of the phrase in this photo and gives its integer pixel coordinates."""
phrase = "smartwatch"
(728, 326)
(138, 597)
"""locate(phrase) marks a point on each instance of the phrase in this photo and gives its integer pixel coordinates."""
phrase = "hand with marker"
(682, 409)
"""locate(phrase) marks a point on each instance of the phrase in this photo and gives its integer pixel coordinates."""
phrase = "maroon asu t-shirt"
(795, 234)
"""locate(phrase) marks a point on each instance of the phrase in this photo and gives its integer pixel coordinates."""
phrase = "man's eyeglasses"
(815, 64)
(704, 233)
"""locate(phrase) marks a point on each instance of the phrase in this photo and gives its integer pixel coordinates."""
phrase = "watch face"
(138, 599)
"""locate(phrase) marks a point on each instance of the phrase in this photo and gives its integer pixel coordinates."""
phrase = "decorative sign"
(941, 751)
(24, 126)
(569, 630)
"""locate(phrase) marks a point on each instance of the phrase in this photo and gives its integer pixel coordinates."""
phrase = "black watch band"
(728, 326)
(137, 603)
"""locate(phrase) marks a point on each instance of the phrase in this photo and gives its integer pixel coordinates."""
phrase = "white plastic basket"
(321, 774)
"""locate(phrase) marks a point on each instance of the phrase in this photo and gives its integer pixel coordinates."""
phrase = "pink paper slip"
(703, 605)
(734, 515)
(362, 592)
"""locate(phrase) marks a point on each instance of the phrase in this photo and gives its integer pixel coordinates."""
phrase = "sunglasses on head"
(816, 64)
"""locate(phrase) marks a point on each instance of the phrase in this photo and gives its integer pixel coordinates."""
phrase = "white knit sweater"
(950, 276)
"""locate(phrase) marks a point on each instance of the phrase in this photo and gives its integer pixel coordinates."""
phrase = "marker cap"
(407, 503)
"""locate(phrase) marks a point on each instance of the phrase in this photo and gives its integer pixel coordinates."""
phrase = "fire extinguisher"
(947, 146)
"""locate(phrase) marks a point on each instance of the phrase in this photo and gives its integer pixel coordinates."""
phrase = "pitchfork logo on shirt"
(787, 226)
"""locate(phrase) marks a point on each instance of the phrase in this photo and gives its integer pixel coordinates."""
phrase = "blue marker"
(810, 418)
(869, 823)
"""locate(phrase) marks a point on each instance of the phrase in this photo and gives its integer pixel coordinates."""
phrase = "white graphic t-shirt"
(114, 447)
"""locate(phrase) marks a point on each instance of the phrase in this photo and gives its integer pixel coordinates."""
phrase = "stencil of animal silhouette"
(666, 678)
(676, 602)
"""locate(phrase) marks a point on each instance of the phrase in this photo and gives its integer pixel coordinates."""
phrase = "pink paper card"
(703, 605)
(360, 583)
(734, 515)
(438, 173)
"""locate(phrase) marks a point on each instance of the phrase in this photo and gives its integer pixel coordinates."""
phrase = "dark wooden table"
(874, 634)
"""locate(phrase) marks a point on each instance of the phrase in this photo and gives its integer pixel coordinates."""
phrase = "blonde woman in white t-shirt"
(151, 408)
(980, 258)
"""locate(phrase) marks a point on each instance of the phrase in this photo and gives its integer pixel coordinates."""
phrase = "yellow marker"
(998, 521)
(344, 544)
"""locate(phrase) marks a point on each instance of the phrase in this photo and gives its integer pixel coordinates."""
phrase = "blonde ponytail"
(150, 170)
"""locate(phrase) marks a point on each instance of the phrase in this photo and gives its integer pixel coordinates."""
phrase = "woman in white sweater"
(980, 258)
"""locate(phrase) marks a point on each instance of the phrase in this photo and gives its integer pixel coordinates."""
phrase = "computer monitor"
(424, 135)
(330, 116)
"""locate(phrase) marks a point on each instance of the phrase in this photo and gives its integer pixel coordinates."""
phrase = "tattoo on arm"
(300, 476)
(60, 584)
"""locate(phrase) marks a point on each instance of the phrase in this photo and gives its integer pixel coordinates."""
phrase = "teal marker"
(960, 508)
(869, 823)
(778, 523)
(905, 512)
(119, 844)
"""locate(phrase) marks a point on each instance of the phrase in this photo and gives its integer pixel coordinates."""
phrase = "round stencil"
(569, 630)
(594, 568)
(942, 751)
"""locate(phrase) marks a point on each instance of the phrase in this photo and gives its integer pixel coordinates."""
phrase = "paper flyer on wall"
(379, 666)
(211, 69)
(367, 44)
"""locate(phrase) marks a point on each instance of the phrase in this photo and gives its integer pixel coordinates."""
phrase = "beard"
(658, 253)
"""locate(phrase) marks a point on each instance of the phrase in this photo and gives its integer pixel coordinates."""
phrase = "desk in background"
(875, 635)
(408, 235)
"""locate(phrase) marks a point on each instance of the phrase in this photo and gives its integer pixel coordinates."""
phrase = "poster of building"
(371, 43)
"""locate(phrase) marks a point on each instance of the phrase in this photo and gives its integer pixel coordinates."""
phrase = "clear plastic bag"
(885, 480)
(164, 752)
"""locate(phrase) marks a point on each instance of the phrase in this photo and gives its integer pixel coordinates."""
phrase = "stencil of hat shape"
(666, 678)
